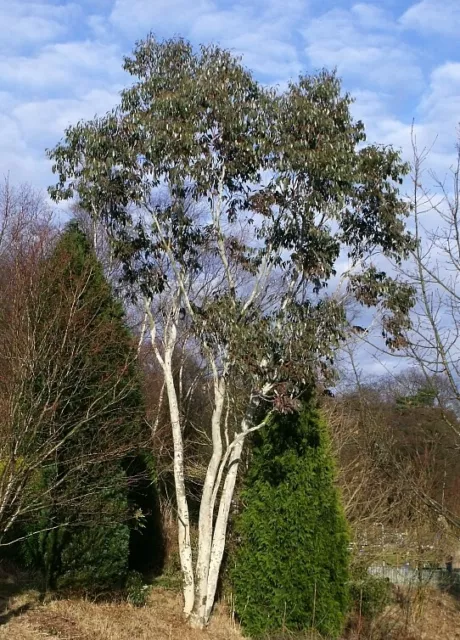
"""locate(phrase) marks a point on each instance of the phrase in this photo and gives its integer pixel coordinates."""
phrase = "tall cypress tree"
(291, 563)
(93, 395)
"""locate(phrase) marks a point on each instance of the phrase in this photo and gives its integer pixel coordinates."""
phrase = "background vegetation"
(155, 350)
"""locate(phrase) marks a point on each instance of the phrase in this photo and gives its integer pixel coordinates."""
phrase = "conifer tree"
(84, 539)
(291, 563)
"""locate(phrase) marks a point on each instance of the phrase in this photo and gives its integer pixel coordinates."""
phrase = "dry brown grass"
(80, 619)
(434, 616)
(422, 615)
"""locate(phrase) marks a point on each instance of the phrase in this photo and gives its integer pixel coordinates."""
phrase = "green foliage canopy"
(283, 183)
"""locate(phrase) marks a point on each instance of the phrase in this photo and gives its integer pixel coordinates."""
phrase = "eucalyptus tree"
(228, 205)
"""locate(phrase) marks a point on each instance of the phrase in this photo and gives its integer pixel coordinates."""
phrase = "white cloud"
(137, 17)
(99, 26)
(361, 44)
(33, 23)
(438, 116)
(442, 100)
(69, 65)
(261, 32)
(262, 48)
(382, 127)
(432, 127)
(17, 157)
(267, 57)
(28, 128)
(49, 118)
(7, 101)
(370, 16)
(433, 16)
(10, 135)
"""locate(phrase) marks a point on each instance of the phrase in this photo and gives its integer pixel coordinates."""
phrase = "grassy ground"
(425, 615)
(25, 615)
(80, 619)
(418, 614)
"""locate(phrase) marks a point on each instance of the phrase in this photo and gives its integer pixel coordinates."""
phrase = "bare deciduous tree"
(51, 391)
(434, 272)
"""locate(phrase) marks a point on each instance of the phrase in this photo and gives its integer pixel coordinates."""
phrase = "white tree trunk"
(185, 547)
(214, 534)
(206, 518)
(183, 517)
(200, 582)
(220, 527)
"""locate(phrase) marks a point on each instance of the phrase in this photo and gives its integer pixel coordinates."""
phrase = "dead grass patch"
(431, 615)
(80, 619)
(421, 614)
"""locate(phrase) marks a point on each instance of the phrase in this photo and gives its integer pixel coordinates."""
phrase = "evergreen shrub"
(291, 566)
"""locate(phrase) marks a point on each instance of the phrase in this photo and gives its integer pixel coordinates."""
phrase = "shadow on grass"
(6, 617)
(450, 584)
(17, 592)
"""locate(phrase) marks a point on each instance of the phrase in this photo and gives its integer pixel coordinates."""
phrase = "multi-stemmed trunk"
(200, 579)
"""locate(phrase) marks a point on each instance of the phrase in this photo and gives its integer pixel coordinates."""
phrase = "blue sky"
(61, 61)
